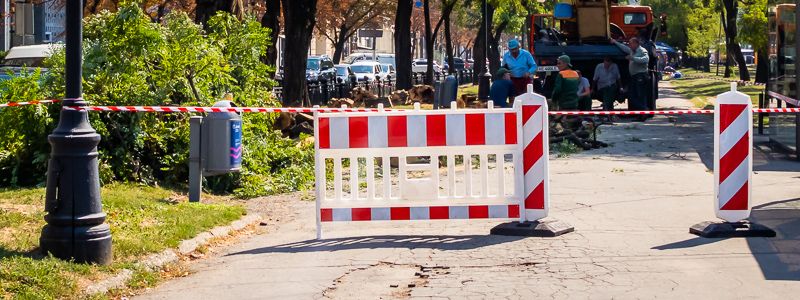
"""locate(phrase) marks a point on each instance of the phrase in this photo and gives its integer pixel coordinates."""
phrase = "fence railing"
(319, 93)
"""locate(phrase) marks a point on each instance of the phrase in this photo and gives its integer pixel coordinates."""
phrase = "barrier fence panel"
(423, 164)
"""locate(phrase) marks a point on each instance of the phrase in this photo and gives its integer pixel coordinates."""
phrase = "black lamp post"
(75, 227)
(485, 78)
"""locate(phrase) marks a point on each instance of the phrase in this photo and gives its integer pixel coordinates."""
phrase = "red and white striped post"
(532, 116)
(535, 150)
(733, 167)
(733, 149)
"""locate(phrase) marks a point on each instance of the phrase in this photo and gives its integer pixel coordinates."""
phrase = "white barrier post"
(532, 116)
(733, 168)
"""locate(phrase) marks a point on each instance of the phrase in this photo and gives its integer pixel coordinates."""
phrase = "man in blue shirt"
(521, 65)
(502, 88)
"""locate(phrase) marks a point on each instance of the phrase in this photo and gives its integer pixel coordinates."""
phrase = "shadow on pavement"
(767, 159)
(439, 242)
(698, 241)
(778, 257)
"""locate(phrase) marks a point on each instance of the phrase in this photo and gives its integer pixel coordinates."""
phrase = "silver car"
(344, 74)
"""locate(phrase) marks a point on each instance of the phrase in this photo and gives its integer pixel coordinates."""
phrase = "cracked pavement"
(631, 205)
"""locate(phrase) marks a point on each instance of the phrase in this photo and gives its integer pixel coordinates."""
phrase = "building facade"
(28, 22)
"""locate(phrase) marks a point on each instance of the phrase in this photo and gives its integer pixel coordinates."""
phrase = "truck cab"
(627, 21)
(582, 30)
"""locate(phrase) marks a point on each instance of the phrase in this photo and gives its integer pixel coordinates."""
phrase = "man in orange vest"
(565, 92)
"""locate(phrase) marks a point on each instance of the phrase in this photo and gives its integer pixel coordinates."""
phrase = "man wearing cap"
(521, 65)
(502, 88)
(565, 91)
(638, 63)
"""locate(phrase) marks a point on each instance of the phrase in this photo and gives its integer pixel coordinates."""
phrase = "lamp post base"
(84, 244)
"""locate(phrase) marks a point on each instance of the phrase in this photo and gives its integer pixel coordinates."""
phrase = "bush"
(128, 60)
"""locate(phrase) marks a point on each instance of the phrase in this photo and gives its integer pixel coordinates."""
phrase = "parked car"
(320, 69)
(387, 70)
(459, 63)
(366, 70)
(26, 58)
(383, 58)
(344, 74)
(468, 63)
(420, 65)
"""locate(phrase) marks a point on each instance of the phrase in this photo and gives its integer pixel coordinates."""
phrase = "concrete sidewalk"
(631, 205)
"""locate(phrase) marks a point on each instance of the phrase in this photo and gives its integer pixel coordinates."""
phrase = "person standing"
(521, 65)
(606, 80)
(638, 59)
(565, 91)
(502, 88)
(584, 93)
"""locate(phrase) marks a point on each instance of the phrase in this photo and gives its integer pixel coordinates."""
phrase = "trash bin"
(222, 141)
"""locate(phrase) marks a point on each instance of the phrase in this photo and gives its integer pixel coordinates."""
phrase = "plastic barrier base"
(711, 229)
(543, 228)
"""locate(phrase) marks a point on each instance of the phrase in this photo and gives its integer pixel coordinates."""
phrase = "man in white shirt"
(606, 79)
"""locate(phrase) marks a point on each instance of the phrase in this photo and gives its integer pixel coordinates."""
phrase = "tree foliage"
(129, 60)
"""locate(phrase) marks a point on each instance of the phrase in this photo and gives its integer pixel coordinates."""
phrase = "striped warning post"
(733, 144)
(535, 137)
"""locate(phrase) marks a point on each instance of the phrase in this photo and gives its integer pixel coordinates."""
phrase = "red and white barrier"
(733, 166)
(376, 138)
(536, 148)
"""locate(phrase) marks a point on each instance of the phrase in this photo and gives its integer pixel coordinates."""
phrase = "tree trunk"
(479, 50)
(205, 9)
(448, 42)
(731, 31)
(402, 44)
(272, 20)
(494, 47)
(762, 67)
(428, 44)
(338, 47)
(299, 16)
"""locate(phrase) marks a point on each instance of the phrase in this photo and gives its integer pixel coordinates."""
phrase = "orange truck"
(581, 29)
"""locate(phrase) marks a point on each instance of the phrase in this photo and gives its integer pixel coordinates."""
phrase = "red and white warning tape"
(198, 109)
(777, 110)
(33, 102)
(633, 112)
(784, 98)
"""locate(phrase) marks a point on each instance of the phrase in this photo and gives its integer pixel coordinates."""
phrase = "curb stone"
(156, 261)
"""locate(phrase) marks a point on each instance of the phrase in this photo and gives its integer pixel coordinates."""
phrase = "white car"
(367, 70)
(343, 73)
(387, 70)
(420, 65)
(383, 58)
(22, 58)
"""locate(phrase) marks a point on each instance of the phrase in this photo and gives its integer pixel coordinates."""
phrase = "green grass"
(143, 220)
(702, 91)
(565, 149)
(467, 89)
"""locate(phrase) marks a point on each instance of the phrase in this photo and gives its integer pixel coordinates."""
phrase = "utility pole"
(484, 81)
(76, 228)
